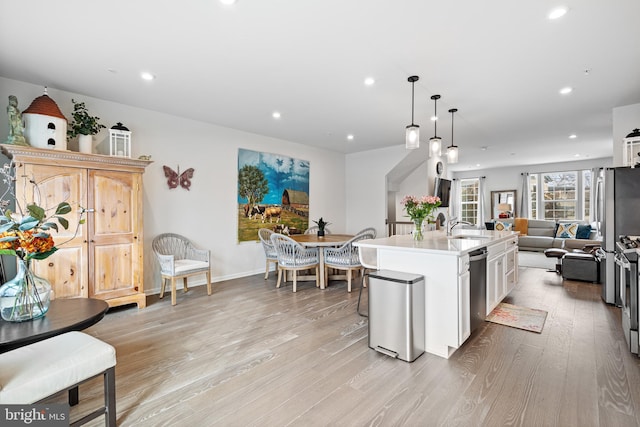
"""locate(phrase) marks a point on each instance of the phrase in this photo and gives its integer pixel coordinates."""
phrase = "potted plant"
(84, 126)
(321, 225)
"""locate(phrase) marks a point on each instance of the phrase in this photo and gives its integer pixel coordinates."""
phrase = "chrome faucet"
(451, 225)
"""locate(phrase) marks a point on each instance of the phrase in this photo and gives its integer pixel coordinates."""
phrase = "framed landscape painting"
(273, 192)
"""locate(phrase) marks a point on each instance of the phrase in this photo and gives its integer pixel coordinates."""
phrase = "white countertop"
(461, 242)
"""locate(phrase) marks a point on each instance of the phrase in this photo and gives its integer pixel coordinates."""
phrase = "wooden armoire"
(101, 257)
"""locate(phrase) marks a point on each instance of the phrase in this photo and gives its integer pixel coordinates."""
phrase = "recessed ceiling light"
(483, 148)
(369, 81)
(573, 136)
(576, 155)
(350, 137)
(227, 1)
(477, 165)
(557, 13)
(566, 90)
(147, 76)
(276, 115)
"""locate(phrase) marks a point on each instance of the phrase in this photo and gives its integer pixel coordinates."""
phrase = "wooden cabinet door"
(115, 252)
(65, 269)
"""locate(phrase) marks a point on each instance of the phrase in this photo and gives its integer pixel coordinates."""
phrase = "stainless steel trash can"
(396, 314)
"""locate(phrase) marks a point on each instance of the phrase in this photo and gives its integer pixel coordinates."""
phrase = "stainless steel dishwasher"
(478, 285)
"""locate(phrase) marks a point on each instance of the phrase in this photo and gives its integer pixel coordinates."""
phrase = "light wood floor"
(253, 355)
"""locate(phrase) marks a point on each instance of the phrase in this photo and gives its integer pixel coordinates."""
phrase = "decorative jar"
(26, 296)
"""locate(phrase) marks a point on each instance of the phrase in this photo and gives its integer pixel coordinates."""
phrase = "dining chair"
(314, 229)
(369, 231)
(269, 250)
(292, 256)
(346, 257)
(369, 261)
(180, 259)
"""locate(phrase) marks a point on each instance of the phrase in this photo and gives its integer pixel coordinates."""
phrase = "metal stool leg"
(364, 273)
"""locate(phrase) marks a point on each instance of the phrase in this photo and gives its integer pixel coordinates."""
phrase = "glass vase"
(26, 296)
(417, 232)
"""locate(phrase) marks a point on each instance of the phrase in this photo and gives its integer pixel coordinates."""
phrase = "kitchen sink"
(468, 236)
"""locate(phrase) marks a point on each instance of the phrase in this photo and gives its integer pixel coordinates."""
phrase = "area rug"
(529, 319)
(536, 260)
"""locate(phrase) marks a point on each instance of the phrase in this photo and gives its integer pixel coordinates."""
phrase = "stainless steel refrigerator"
(618, 195)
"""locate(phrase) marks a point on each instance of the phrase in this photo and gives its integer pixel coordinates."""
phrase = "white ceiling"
(500, 62)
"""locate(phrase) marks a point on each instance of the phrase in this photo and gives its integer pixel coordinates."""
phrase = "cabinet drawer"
(496, 249)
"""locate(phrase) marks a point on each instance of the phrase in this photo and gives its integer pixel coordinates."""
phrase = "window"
(560, 195)
(469, 200)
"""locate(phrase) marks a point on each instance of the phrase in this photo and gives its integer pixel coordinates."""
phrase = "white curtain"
(593, 199)
(454, 206)
(481, 202)
(523, 209)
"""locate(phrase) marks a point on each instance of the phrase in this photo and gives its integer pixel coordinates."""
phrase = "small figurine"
(144, 157)
(16, 130)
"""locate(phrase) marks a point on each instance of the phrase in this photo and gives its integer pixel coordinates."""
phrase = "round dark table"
(64, 315)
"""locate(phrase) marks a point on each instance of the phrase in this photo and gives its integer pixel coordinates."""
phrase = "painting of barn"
(273, 192)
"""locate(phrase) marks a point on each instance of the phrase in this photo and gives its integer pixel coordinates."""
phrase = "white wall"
(366, 187)
(625, 120)
(207, 213)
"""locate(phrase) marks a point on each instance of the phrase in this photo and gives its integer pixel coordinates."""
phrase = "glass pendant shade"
(452, 154)
(435, 147)
(435, 143)
(413, 137)
(452, 150)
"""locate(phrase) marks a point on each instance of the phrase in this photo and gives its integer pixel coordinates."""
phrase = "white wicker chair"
(292, 256)
(370, 231)
(346, 257)
(179, 259)
(269, 250)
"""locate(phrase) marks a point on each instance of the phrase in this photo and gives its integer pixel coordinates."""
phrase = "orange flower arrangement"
(26, 232)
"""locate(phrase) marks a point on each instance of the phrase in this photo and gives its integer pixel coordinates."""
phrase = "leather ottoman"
(581, 266)
(556, 253)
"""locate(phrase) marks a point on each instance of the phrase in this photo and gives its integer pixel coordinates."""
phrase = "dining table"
(315, 241)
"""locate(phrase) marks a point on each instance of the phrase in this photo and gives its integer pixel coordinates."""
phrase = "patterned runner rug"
(529, 319)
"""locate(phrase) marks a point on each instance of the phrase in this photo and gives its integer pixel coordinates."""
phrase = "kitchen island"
(444, 262)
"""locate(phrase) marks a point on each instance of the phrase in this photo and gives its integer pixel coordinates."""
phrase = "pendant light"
(435, 143)
(452, 150)
(412, 140)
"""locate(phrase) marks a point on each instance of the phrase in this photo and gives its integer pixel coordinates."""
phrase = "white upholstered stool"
(40, 370)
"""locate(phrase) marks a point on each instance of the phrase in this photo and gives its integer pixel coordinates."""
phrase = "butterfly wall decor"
(174, 178)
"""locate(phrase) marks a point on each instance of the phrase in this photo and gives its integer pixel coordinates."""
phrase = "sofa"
(540, 234)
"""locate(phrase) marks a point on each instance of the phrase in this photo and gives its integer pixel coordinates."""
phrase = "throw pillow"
(489, 225)
(503, 226)
(567, 230)
(584, 231)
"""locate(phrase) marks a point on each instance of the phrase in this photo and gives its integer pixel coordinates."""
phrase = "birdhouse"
(119, 141)
(44, 124)
(631, 153)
